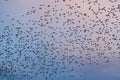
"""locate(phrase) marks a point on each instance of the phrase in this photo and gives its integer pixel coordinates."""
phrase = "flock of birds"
(66, 35)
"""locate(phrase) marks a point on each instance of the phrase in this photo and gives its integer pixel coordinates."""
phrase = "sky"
(59, 40)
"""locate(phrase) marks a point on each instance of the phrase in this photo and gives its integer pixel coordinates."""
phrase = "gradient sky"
(18, 9)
